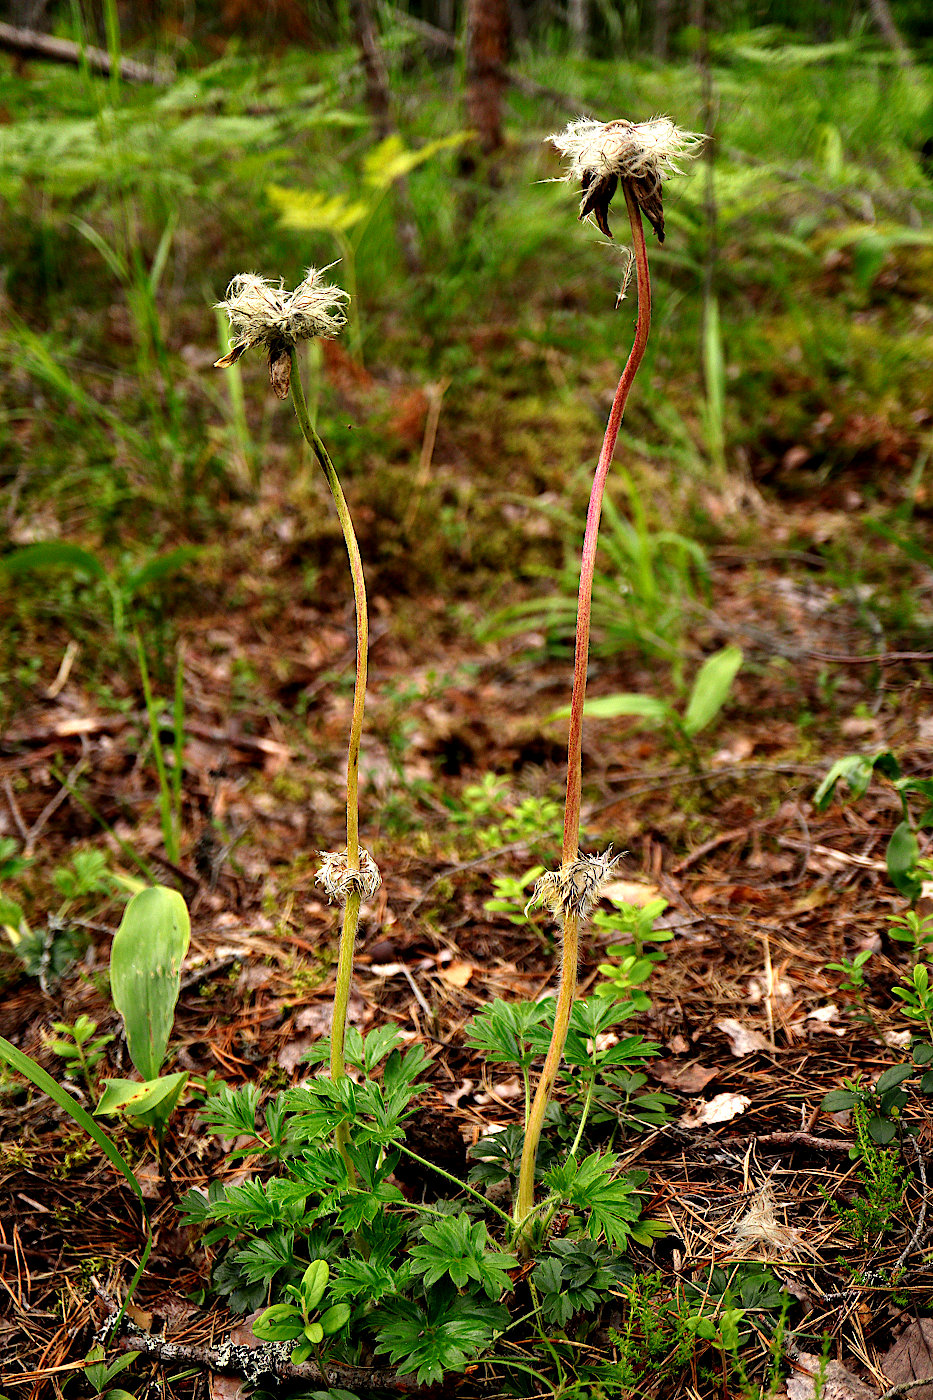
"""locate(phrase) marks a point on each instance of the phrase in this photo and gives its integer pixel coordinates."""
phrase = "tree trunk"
(487, 52)
(379, 102)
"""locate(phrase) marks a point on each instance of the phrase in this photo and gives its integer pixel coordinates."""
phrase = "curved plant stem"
(570, 945)
(351, 911)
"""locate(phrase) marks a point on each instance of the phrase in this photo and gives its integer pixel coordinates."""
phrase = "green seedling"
(853, 971)
(916, 997)
(906, 867)
(304, 1320)
(914, 929)
(711, 689)
(47, 952)
(512, 893)
(123, 586)
(80, 1047)
(638, 957)
(145, 975)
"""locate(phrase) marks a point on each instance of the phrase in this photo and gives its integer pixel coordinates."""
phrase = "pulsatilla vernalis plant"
(638, 157)
(262, 313)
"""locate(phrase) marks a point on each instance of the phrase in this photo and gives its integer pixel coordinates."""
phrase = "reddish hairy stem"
(570, 944)
(591, 536)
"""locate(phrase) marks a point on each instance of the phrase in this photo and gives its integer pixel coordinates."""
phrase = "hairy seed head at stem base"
(339, 881)
(574, 888)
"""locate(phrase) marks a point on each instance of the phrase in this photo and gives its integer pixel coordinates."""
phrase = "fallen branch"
(30, 43)
(256, 1364)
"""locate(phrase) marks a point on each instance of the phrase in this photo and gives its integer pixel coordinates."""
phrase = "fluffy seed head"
(600, 154)
(574, 889)
(338, 880)
(261, 312)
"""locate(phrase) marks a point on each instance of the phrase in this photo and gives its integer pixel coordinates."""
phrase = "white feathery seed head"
(628, 150)
(600, 154)
(338, 880)
(261, 312)
(574, 889)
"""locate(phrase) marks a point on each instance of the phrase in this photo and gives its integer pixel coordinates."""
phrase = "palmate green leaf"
(504, 1032)
(263, 1258)
(444, 1335)
(459, 1247)
(231, 1112)
(610, 1203)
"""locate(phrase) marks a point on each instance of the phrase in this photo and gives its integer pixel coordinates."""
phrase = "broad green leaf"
(890, 1078)
(334, 1318)
(280, 1323)
(129, 1096)
(855, 770)
(53, 554)
(838, 1100)
(711, 688)
(145, 972)
(902, 855)
(647, 707)
(881, 1130)
(314, 1283)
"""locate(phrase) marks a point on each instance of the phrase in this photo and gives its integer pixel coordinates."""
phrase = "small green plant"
(643, 591)
(914, 929)
(46, 952)
(122, 586)
(304, 1321)
(906, 867)
(881, 1175)
(916, 997)
(486, 811)
(429, 1285)
(853, 971)
(80, 1047)
(145, 975)
(638, 955)
(711, 688)
(511, 894)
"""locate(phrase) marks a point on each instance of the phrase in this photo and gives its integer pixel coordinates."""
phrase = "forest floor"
(762, 890)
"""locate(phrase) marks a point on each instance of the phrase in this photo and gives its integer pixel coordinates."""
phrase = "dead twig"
(30, 43)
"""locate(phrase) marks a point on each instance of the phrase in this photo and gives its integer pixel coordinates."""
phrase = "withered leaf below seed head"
(597, 196)
(280, 368)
